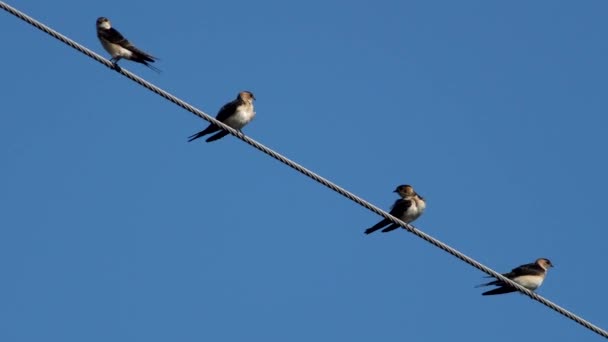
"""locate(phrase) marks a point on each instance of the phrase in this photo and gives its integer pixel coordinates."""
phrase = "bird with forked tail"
(530, 276)
(236, 114)
(119, 47)
(408, 208)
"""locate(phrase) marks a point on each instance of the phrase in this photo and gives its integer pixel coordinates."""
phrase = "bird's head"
(405, 191)
(103, 23)
(544, 263)
(246, 96)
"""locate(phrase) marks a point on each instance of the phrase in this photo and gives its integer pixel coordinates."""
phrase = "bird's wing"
(527, 269)
(113, 36)
(400, 206)
(227, 110)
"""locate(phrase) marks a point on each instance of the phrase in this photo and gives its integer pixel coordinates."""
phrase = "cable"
(303, 170)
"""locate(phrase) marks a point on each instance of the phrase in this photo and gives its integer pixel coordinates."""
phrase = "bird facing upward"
(236, 114)
(119, 47)
(530, 276)
(408, 208)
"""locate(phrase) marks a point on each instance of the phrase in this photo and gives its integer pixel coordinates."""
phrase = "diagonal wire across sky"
(302, 169)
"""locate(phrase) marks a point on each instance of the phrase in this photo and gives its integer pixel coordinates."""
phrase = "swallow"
(408, 208)
(119, 47)
(236, 114)
(530, 276)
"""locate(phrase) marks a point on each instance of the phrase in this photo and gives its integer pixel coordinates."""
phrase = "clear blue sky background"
(114, 228)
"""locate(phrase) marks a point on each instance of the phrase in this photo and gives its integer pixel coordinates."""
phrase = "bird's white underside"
(240, 118)
(531, 282)
(116, 50)
(413, 212)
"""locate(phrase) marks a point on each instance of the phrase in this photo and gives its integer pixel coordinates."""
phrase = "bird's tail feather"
(493, 282)
(152, 67)
(144, 58)
(208, 130)
(390, 228)
(500, 290)
(377, 226)
(217, 136)
(195, 136)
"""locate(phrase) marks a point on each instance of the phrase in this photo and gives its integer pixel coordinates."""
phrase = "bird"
(530, 276)
(408, 208)
(236, 114)
(119, 47)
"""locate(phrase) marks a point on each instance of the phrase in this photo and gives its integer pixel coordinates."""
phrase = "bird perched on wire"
(119, 47)
(408, 208)
(236, 114)
(530, 276)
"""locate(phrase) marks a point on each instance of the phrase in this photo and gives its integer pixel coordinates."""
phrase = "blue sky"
(115, 228)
